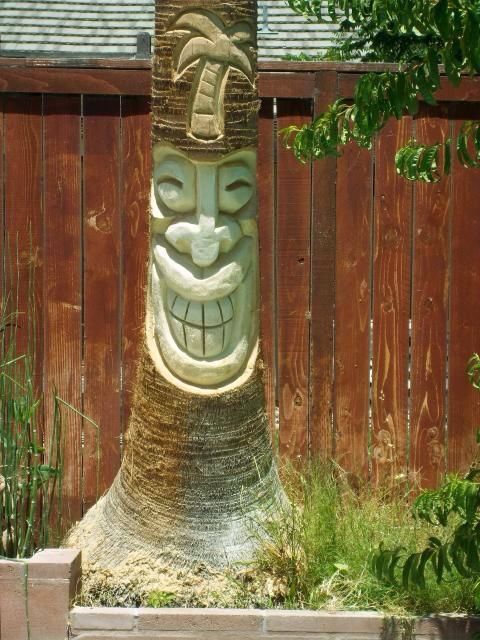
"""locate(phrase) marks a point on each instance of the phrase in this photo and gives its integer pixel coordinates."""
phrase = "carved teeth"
(203, 329)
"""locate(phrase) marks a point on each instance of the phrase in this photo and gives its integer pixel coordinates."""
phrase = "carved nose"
(202, 244)
(207, 233)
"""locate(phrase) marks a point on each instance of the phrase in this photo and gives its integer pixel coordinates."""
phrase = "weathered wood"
(2, 193)
(24, 218)
(464, 334)
(286, 85)
(266, 229)
(102, 311)
(354, 221)
(136, 169)
(294, 192)
(467, 91)
(75, 81)
(391, 307)
(429, 314)
(63, 284)
(322, 292)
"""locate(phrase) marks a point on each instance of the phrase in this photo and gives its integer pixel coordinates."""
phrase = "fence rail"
(370, 285)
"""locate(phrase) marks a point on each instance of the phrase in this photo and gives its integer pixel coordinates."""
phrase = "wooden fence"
(370, 285)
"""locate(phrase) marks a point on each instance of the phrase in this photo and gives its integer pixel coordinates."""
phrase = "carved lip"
(203, 329)
(203, 283)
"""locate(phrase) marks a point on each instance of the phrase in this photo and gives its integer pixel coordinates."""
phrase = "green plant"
(160, 599)
(453, 511)
(421, 35)
(30, 470)
(317, 554)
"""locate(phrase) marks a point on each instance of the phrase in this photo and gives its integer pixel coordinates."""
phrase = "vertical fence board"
(266, 232)
(353, 308)
(429, 315)
(391, 306)
(24, 215)
(322, 293)
(135, 225)
(101, 228)
(63, 293)
(2, 195)
(293, 286)
(464, 402)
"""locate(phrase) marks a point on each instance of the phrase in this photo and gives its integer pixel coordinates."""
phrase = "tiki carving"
(204, 295)
(215, 48)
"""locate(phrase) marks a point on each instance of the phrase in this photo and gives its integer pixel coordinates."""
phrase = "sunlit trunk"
(198, 475)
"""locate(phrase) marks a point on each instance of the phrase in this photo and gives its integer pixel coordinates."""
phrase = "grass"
(30, 470)
(317, 554)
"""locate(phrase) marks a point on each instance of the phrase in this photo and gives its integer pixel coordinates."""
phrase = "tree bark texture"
(198, 477)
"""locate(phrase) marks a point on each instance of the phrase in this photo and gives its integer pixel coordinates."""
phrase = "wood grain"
(463, 401)
(353, 308)
(2, 194)
(286, 85)
(322, 293)
(24, 218)
(136, 168)
(294, 193)
(266, 228)
(391, 307)
(429, 314)
(62, 363)
(102, 311)
(75, 81)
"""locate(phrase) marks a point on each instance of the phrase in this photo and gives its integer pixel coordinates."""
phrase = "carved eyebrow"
(173, 167)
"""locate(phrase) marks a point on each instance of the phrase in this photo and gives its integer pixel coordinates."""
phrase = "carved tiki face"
(203, 293)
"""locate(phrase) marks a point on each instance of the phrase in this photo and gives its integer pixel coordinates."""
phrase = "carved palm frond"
(216, 49)
(190, 53)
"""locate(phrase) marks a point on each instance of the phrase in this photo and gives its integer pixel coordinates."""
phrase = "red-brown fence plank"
(24, 215)
(464, 339)
(429, 314)
(293, 286)
(266, 231)
(2, 193)
(353, 308)
(102, 311)
(322, 286)
(63, 284)
(391, 306)
(136, 168)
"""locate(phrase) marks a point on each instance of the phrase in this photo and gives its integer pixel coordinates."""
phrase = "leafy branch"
(454, 509)
(452, 25)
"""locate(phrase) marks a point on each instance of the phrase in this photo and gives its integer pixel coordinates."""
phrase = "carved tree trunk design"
(198, 473)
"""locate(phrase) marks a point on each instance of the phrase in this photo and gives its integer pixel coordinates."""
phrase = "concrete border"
(36, 595)
(250, 624)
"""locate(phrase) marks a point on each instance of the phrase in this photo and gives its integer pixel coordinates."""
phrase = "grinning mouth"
(202, 329)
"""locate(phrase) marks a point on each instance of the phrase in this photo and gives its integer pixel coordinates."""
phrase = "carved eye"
(175, 184)
(236, 187)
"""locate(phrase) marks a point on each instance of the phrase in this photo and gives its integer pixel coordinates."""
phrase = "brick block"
(355, 622)
(101, 618)
(48, 607)
(13, 603)
(200, 620)
(455, 626)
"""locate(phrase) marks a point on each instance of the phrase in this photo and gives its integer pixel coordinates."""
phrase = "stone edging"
(35, 599)
(237, 624)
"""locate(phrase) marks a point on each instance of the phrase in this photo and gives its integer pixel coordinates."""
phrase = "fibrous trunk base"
(197, 480)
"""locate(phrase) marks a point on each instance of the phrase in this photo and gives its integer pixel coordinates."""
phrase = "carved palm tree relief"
(215, 48)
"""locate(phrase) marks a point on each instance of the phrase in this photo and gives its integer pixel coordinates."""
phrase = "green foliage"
(30, 472)
(317, 555)
(422, 35)
(160, 599)
(453, 511)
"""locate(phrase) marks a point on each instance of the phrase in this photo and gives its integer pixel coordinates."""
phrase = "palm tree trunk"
(198, 476)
